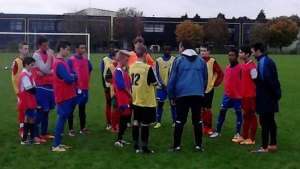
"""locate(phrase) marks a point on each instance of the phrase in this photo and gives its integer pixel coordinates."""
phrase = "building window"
(16, 25)
(231, 30)
(59, 26)
(154, 28)
(37, 25)
(48, 26)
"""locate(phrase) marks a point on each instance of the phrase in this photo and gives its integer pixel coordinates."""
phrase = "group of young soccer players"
(129, 81)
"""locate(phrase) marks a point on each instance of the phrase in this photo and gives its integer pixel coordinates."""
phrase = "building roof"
(94, 12)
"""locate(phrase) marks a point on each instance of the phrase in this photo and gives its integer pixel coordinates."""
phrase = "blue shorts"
(161, 95)
(66, 108)
(228, 102)
(83, 97)
(30, 113)
(45, 97)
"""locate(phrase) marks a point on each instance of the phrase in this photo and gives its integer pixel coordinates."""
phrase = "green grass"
(97, 150)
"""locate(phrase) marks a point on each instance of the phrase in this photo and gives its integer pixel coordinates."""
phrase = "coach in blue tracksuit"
(186, 86)
(268, 94)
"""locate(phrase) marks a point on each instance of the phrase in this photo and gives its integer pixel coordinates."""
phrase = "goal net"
(10, 40)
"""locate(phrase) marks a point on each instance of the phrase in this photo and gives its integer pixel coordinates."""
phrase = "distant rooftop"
(94, 12)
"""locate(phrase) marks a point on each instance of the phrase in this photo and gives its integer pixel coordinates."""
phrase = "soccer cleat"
(71, 133)
(27, 143)
(209, 131)
(275, 147)
(238, 140)
(40, 140)
(119, 144)
(247, 142)
(35, 142)
(174, 149)
(47, 137)
(198, 148)
(137, 149)
(124, 142)
(58, 149)
(260, 150)
(204, 130)
(215, 135)
(84, 131)
(157, 125)
(108, 127)
(236, 136)
(65, 146)
(146, 150)
(129, 125)
(173, 125)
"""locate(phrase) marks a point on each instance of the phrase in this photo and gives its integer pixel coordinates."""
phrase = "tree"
(127, 24)
(216, 30)
(282, 32)
(259, 32)
(296, 19)
(189, 31)
(221, 15)
(196, 16)
(261, 17)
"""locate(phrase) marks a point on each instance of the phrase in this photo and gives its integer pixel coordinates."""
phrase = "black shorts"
(208, 99)
(144, 115)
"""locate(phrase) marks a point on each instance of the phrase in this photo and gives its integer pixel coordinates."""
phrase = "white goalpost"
(88, 38)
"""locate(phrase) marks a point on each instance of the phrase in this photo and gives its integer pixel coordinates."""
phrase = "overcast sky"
(170, 8)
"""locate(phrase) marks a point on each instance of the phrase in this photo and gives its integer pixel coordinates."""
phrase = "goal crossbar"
(61, 34)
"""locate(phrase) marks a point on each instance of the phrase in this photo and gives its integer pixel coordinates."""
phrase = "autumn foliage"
(190, 31)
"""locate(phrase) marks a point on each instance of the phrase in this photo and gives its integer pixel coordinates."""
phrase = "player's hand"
(173, 102)
(50, 53)
(39, 73)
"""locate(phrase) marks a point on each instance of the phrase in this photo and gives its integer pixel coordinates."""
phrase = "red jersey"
(233, 82)
(248, 85)
(122, 98)
(81, 68)
(27, 99)
(45, 79)
(62, 90)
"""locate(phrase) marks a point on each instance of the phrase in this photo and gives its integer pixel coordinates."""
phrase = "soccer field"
(98, 151)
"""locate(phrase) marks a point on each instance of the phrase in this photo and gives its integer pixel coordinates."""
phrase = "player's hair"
(235, 51)
(28, 61)
(140, 50)
(122, 54)
(77, 44)
(111, 45)
(205, 45)
(246, 50)
(166, 44)
(186, 45)
(41, 40)
(138, 40)
(21, 44)
(62, 44)
(258, 46)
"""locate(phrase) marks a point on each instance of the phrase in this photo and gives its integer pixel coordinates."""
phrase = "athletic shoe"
(236, 136)
(173, 149)
(71, 133)
(129, 125)
(238, 140)
(204, 130)
(27, 143)
(247, 142)
(84, 131)
(58, 149)
(260, 150)
(124, 142)
(47, 137)
(40, 140)
(198, 148)
(137, 149)
(209, 131)
(173, 125)
(157, 125)
(275, 147)
(215, 135)
(146, 150)
(65, 146)
(119, 143)
(108, 127)
(35, 142)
